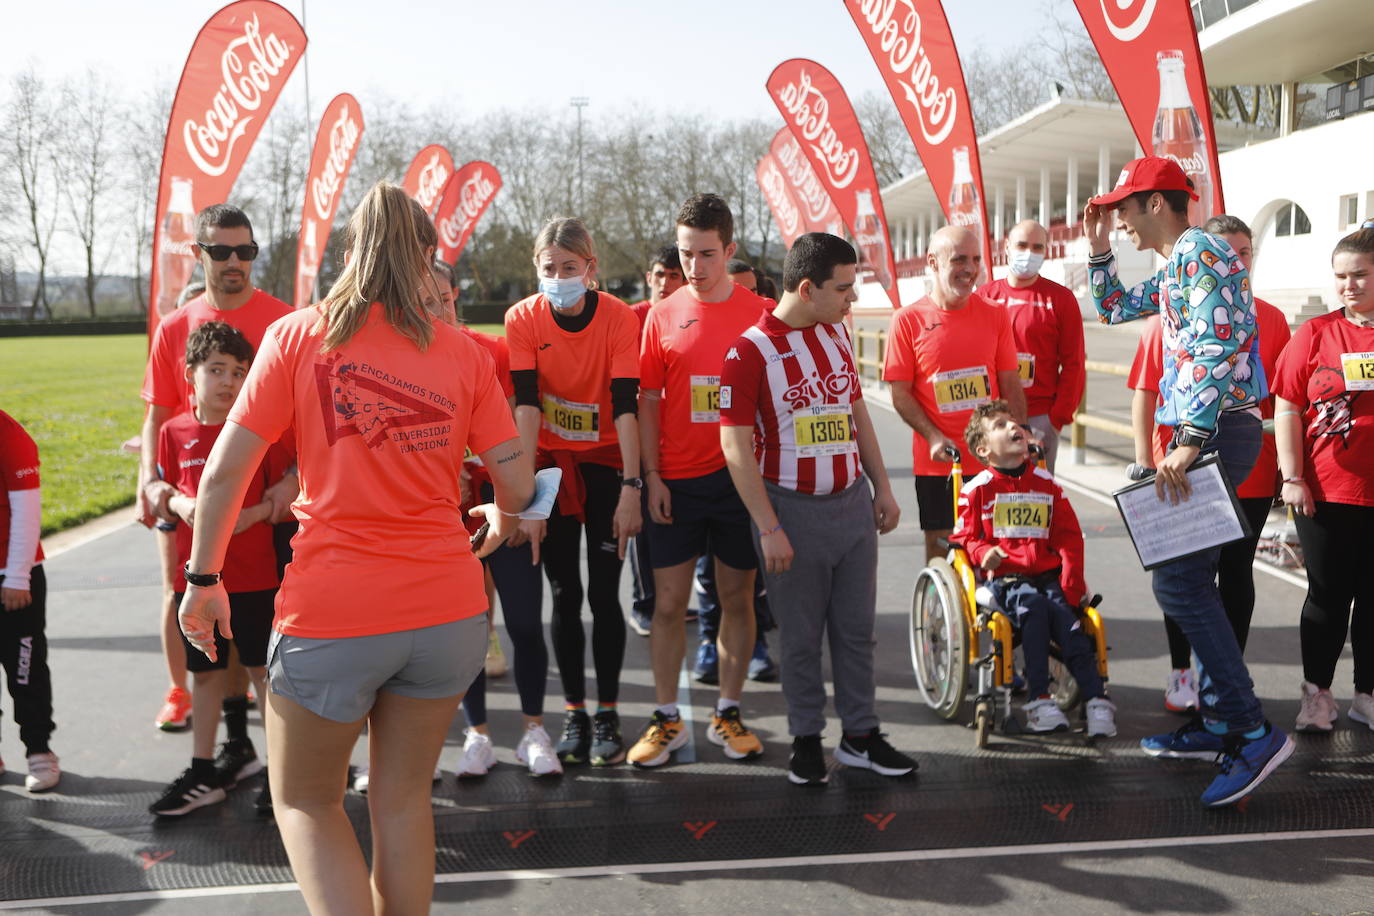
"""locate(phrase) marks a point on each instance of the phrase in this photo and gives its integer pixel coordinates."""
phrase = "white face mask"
(564, 293)
(1025, 263)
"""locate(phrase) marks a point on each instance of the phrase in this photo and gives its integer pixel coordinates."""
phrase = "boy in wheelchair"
(1021, 533)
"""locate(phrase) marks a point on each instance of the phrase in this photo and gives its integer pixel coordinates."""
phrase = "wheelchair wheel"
(982, 723)
(939, 639)
(1063, 685)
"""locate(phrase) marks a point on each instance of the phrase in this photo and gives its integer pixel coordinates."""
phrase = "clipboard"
(1162, 532)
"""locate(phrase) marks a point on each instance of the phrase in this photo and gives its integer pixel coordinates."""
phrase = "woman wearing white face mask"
(574, 357)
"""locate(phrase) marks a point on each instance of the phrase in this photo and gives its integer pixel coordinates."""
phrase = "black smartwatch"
(636, 482)
(1191, 435)
(200, 580)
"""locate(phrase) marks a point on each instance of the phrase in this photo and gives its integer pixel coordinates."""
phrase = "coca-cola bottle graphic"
(965, 209)
(307, 265)
(868, 232)
(1178, 133)
(176, 257)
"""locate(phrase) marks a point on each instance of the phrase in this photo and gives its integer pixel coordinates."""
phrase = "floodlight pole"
(579, 102)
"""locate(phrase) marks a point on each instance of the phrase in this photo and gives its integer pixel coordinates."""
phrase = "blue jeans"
(1040, 612)
(1187, 592)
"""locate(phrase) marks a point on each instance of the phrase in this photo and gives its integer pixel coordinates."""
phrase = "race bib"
(571, 420)
(824, 430)
(961, 389)
(1358, 369)
(1025, 367)
(471, 457)
(1021, 515)
(706, 399)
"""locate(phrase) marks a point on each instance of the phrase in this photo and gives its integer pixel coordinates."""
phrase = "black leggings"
(522, 595)
(1235, 580)
(1335, 548)
(24, 655)
(561, 554)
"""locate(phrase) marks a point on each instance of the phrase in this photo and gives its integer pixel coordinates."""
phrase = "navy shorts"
(708, 518)
(250, 617)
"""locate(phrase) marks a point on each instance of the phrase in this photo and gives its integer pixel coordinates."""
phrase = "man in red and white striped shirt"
(798, 442)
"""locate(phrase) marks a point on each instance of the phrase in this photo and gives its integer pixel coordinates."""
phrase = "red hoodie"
(1029, 518)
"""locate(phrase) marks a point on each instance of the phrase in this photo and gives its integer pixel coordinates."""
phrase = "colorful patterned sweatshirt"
(1211, 357)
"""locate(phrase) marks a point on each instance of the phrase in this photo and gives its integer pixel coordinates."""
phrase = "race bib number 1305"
(824, 430)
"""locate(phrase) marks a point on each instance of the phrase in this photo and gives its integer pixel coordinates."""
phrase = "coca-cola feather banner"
(817, 209)
(786, 211)
(819, 114)
(1150, 50)
(237, 67)
(428, 172)
(465, 199)
(914, 49)
(336, 143)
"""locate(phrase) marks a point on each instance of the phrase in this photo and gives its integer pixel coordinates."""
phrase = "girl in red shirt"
(380, 617)
(1324, 419)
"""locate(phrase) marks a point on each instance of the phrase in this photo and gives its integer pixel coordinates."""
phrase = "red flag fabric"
(237, 67)
(336, 143)
(428, 172)
(914, 49)
(1150, 50)
(817, 111)
(817, 209)
(786, 210)
(465, 198)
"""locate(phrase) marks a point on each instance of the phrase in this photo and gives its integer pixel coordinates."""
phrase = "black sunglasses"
(221, 252)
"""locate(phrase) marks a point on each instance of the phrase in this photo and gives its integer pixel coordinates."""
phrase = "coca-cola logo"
(1196, 164)
(1129, 19)
(810, 111)
(804, 181)
(473, 198)
(965, 218)
(936, 108)
(431, 180)
(343, 140)
(210, 142)
(775, 189)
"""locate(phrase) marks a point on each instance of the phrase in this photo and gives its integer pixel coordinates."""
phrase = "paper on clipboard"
(1163, 532)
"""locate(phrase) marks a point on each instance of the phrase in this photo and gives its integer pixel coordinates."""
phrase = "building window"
(1291, 220)
(1349, 210)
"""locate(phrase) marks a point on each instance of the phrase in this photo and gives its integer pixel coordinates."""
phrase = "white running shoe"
(1101, 718)
(1362, 709)
(1181, 694)
(478, 755)
(1318, 712)
(1045, 716)
(44, 772)
(536, 752)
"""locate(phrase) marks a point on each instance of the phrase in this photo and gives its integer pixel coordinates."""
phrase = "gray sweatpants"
(831, 590)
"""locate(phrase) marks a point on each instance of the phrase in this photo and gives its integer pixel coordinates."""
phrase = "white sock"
(723, 704)
(669, 710)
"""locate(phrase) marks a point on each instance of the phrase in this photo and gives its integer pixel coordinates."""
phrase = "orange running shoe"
(730, 732)
(659, 739)
(175, 714)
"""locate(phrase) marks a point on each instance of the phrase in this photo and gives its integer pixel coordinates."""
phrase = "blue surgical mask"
(1025, 263)
(564, 293)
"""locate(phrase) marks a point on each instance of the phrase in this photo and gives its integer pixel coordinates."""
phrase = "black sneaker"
(872, 752)
(806, 766)
(236, 760)
(187, 793)
(576, 744)
(263, 803)
(607, 745)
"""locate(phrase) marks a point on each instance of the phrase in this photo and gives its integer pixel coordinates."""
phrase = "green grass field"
(79, 399)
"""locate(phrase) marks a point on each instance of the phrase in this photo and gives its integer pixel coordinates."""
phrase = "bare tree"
(88, 166)
(31, 140)
(146, 123)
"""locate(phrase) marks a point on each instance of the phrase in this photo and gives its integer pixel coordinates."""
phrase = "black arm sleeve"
(624, 397)
(526, 384)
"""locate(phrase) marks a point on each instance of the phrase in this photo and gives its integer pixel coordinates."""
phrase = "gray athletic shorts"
(339, 678)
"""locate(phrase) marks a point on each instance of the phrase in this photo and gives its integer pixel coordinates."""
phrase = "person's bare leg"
(405, 736)
(207, 694)
(237, 683)
(933, 543)
(735, 642)
(667, 643)
(309, 768)
(173, 648)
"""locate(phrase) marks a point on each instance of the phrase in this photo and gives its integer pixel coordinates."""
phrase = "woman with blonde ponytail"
(380, 619)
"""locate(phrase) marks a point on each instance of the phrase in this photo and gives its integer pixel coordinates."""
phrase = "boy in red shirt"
(1016, 526)
(217, 360)
(23, 603)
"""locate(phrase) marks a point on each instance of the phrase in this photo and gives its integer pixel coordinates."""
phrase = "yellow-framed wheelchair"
(958, 635)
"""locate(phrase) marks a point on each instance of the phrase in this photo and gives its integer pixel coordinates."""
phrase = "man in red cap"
(1210, 393)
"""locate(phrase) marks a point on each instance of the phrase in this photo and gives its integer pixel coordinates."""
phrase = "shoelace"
(730, 722)
(604, 729)
(574, 729)
(657, 732)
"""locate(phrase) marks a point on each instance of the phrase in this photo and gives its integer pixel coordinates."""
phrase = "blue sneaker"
(761, 664)
(1245, 765)
(706, 668)
(640, 622)
(1192, 741)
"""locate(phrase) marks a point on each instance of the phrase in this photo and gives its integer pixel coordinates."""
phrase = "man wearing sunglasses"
(226, 250)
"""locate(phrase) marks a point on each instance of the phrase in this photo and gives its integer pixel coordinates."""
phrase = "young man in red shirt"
(802, 452)
(946, 354)
(1047, 328)
(693, 506)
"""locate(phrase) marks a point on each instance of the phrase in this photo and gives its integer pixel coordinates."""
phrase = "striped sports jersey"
(796, 388)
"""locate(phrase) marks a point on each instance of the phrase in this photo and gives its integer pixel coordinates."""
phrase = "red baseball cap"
(1148, 173)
